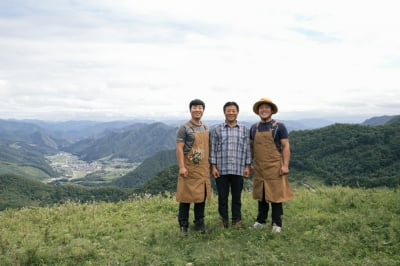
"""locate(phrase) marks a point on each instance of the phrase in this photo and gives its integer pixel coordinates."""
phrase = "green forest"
(347, 155)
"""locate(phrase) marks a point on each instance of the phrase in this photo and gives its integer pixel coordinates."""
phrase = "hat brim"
(274, 108)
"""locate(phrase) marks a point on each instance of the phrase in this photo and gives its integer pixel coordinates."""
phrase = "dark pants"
(235, 183)
(183, 215)
(277, 212)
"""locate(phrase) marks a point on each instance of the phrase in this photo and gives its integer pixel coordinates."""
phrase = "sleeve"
(181, 134)
(213, 146)
(252, 132)
(248, 150)
(282, 132)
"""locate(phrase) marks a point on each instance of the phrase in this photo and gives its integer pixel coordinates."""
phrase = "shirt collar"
(226, 124)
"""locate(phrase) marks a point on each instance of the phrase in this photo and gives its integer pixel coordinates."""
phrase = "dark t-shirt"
(279, 131)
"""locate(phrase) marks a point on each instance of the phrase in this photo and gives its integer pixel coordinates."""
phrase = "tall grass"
(328, 226)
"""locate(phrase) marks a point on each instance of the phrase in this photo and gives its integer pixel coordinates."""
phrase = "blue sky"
(107, 60)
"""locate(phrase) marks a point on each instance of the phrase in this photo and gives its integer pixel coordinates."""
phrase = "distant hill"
(150, 167)
(23, 147)
(350, 155)
(17, 131)
(379, 120)
(17, 191)
(135, 144)
(24, 159)
(73, 131)
(395, 119)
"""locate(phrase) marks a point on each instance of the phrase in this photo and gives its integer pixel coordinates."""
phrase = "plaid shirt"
(230, 149)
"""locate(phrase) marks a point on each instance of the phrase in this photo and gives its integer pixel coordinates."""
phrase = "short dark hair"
(196, 102)
(230, 104)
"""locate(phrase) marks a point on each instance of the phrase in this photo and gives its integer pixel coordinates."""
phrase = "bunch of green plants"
(321, 226)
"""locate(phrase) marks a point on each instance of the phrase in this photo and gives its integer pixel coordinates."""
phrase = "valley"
(72, 169)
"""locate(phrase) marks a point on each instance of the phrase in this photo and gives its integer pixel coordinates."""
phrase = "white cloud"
(65, 59)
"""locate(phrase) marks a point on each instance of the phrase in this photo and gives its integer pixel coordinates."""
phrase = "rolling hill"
(381, 120)
(150, 167)
(349, 155)
(136, 144)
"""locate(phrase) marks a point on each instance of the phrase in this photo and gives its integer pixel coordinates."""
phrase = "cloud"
(63, 59)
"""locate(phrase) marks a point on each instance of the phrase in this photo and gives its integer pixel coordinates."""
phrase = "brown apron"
(197, 186)
(267, 163)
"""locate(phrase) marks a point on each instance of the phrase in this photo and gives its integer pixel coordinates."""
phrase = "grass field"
(328, 226)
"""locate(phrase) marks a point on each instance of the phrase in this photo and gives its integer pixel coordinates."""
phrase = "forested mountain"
(23, 147)
(136, 144)
(350, 155)
(164, 180)
(73, 131)
(17, 131)
(150, 167)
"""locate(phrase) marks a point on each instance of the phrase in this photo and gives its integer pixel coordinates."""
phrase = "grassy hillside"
(330, 226)
(23, 170)
(26, 159)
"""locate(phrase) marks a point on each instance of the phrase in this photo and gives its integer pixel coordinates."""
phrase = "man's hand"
(247, 171)
(284, 170)
(214, 171)
(183, 172)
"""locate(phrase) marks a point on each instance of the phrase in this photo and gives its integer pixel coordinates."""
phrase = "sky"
(115, 59)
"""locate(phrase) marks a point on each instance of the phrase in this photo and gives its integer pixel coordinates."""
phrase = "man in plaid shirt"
(230, 159)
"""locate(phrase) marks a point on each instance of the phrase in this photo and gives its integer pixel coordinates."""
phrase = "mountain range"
(26, 143)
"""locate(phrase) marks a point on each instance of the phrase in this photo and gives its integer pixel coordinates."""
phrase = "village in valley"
(71, 168)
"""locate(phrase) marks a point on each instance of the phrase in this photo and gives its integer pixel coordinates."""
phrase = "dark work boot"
(200, 226)
(184, 229)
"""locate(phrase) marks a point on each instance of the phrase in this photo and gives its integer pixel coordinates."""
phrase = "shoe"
(276, 229)
(223, 224)
(184, 231)
(238, 225)
(200, 226)
(257, 225)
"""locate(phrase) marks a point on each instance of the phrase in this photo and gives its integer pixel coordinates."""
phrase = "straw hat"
(274, 108)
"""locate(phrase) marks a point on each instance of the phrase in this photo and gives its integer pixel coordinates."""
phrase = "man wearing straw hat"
(271, 156)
